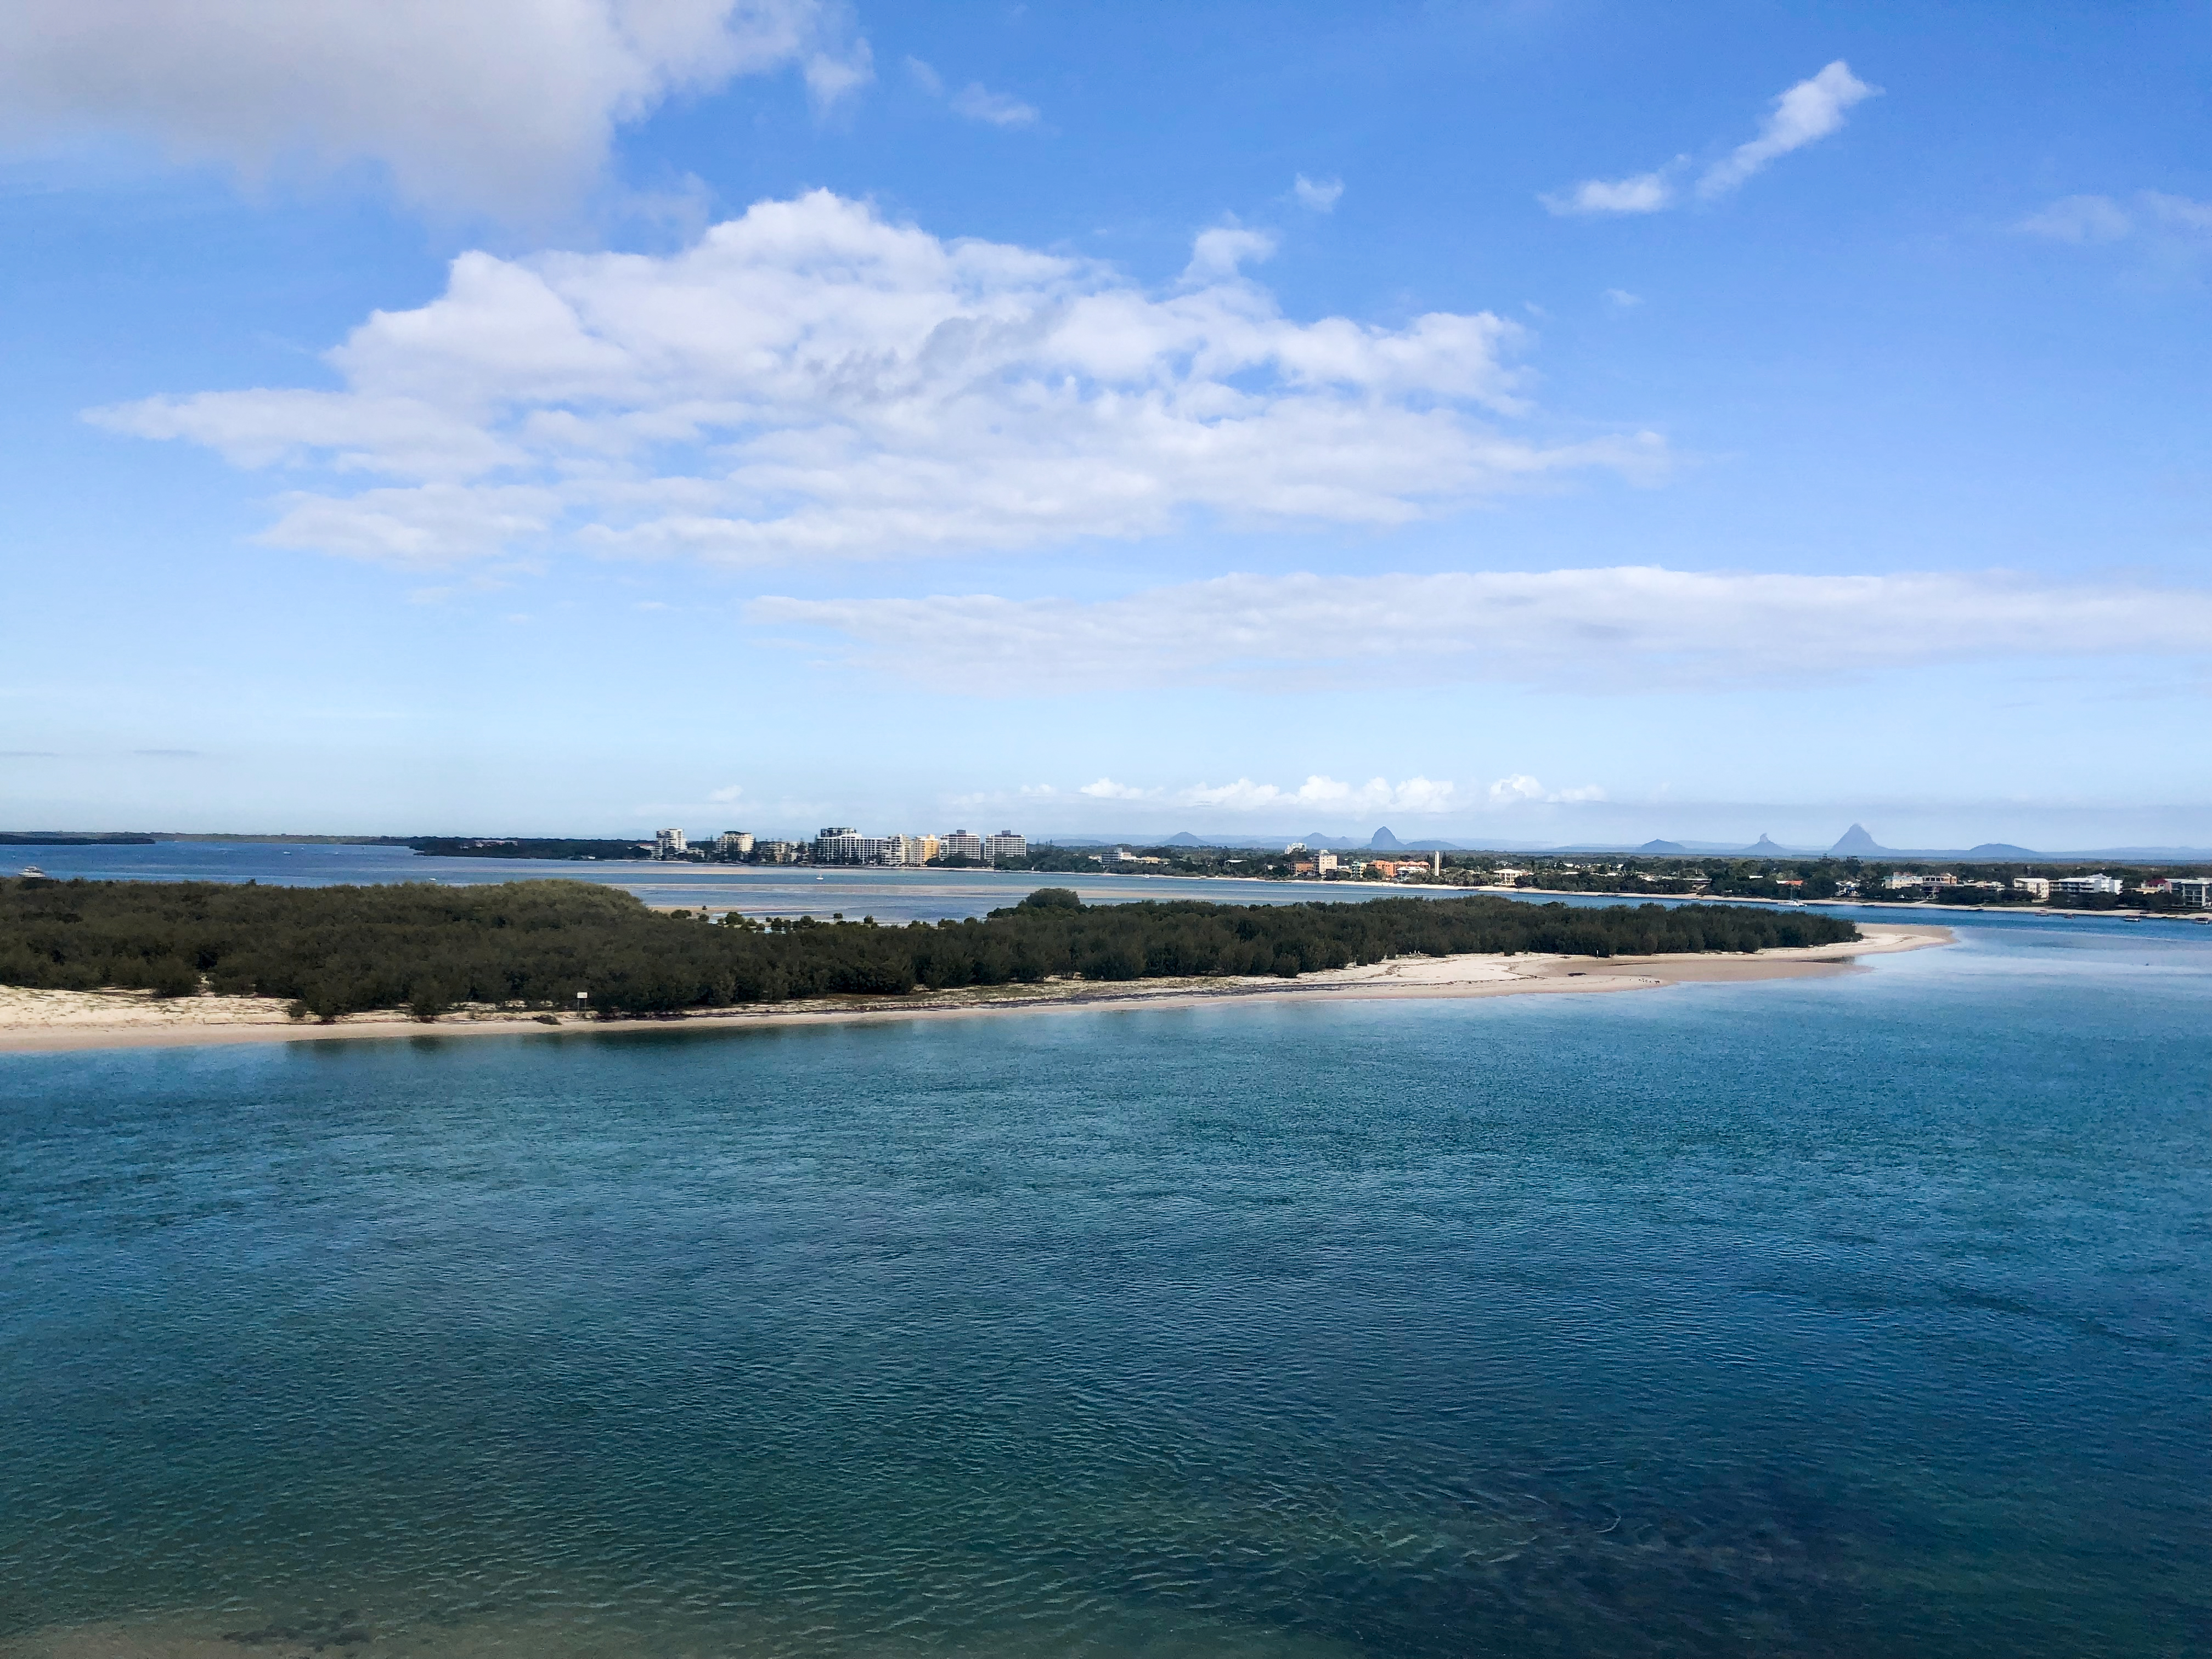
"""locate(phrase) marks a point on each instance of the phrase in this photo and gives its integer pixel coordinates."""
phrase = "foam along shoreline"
(45, 1022)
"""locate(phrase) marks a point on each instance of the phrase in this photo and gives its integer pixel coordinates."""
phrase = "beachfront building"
(2098, 882)
(2036, 887)
(734, 844)
(778, 851)
(960, 844)
(840, 844)
(1324, 864)
(909, 852)
(1005, 845)
(2194, 891)
(670, 844)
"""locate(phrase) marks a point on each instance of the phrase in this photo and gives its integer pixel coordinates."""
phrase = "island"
(169, 956)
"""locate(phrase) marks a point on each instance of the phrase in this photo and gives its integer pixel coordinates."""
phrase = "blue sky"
(1515, 423)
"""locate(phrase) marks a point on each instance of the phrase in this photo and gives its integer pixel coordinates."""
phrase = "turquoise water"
(1856, 1316)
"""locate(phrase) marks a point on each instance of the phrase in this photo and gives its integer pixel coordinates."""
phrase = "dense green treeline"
(462, 847)
(342, 949)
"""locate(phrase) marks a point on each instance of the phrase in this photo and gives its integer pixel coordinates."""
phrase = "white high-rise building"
(960, 842)
(1005, 845)
(734, 844)
(840, 845)
(670, 844)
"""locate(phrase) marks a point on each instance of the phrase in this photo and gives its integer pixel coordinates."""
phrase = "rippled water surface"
(1854, 1317)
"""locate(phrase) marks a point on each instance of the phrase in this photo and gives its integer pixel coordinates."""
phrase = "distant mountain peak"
(1766, 843)
(1857, 843)
(1383, 837)
(1662, 849)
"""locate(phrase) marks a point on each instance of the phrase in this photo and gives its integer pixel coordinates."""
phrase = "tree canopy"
(344, 949)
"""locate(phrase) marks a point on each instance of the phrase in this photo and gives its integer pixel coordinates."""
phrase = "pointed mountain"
(1184, 838)
(1383, 839)
(1767, 845)
(1857, 843)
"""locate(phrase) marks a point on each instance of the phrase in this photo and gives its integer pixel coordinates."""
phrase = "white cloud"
(978, 103)
(1324, 794)
(1647, 193)
(1321, 195)
(2092, 219)
(1221, 253)
(1621, 300)
(504, 106)
(1107, 789)
(2080, 219)
(1627, 626)
(812, 382)
(1810, 110)
(726, 794)
(925, 77)
(833, 76)
(2177, 211)
(1520, 787)
(425, 528)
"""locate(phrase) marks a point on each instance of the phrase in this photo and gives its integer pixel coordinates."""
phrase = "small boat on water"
(30, 870)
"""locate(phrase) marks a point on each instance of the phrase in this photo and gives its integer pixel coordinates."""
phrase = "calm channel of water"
(1851, 1317)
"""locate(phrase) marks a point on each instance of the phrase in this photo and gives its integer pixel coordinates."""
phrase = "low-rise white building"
(2098, 882)
(2036, 885)
(2195, 892)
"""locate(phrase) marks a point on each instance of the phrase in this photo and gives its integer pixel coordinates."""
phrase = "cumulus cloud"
(504, 106)
(1107, 789)
(1576, 629)
(813, 382)
(1808, 111)
(979, 103)
(1319, 194)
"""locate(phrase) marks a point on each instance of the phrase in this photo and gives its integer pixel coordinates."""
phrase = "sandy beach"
(34, 1022)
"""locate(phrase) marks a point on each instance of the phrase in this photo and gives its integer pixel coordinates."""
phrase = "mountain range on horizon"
(1857, 841)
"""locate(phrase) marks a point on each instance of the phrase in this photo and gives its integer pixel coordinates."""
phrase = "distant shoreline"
(53, 1022)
